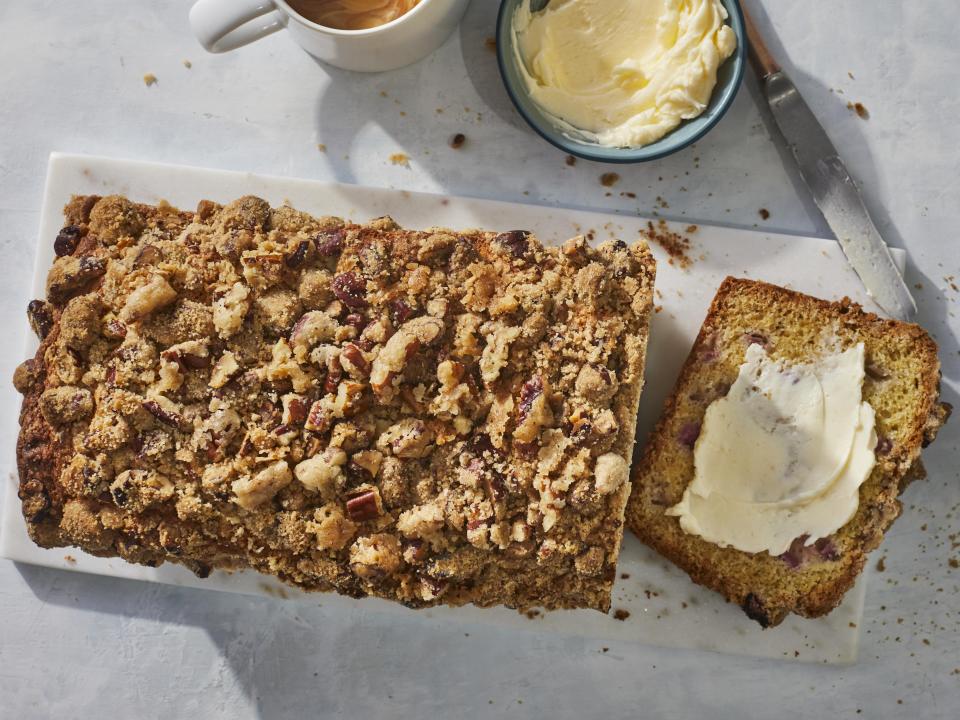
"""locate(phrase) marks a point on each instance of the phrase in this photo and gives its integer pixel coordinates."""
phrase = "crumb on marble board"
(764, 213)
(149, 79)
(675, 244)
(400, 159)
(860, 109)
(621, 614)
(609, 179)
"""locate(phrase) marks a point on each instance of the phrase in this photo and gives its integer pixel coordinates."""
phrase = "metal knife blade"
(837, 196)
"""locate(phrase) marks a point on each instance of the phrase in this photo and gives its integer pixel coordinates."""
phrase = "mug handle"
(223, 25)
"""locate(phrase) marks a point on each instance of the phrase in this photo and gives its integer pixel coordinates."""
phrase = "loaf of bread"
(901, 383)
(426, 416)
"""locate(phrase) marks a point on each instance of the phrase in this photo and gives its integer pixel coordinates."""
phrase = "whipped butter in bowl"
(782, 455)
(621, 80)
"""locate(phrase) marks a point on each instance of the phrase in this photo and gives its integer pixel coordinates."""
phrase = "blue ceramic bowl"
(729, 77)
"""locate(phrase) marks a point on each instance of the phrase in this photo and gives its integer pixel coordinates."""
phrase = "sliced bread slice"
(901, 383)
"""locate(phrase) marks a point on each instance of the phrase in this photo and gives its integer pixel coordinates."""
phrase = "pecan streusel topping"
(429, 416)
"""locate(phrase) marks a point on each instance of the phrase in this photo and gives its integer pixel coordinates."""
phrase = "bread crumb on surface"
(187, 64)
(571, 160)
(70, 559)
(149, 79)
(609, 179)
(321, 147)
(400, 159)
(621, 614)
(764, 213)
(457, 141)
(860, 109)
(491, 44)
(675, 244)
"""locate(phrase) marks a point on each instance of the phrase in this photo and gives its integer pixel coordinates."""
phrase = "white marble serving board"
(665, 608)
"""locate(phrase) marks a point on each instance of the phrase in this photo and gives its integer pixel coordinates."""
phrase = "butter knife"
(830, 184)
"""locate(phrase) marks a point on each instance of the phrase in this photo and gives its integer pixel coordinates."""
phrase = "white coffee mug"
(222, 25)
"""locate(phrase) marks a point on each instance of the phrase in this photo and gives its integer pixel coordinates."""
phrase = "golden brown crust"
(902, 385)
(431, 417)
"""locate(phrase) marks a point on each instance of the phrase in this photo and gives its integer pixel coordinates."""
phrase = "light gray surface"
(71, 79)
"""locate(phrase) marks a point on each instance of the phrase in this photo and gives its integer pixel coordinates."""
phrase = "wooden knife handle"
(760, 56)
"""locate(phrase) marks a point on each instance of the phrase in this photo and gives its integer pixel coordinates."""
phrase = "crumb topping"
(362, 408)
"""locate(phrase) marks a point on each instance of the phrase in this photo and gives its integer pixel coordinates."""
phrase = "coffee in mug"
(352, 14)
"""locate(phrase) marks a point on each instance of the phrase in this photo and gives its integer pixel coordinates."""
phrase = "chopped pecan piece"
(70, 274)
(353, 361)
(224, 369)
(391, 360)
(115, 330)
(329, 242)
(67, 240)
(295, 409)
(148, 255)
(189, 355)
(516, 241)
(167, 417)
(400, 311)
(319, 417)
(40, 315)
(334, 374)
(351, 290)
(363, 507)
(533, 410)
(299, 255)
